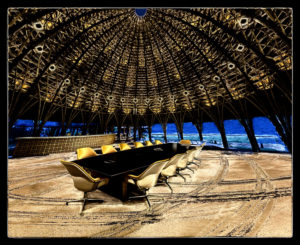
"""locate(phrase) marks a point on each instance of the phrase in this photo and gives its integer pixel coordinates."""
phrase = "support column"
(199, 127)
(221, 128)
(163, 120)
(134, 132)
(140, 132)
(164, 127)
(84, 128)
(180, 132)
(150, 132)
(127, 132)
(247, 123)
(179, 120)
(285, 137)
(119, 132)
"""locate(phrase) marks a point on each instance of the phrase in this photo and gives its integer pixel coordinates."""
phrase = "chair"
(124, 146)
(199, 149)
(85, 152)
(170, 169)
(147, 179)
(191, 156)
(108, 149)
(83, 181)
(182, 165)
(185, 142)
(158, 142)
(148, 143)
(138, 144)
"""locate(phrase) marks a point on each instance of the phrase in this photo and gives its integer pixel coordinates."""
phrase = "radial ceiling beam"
(47, 34)
(61, 51)
(27, 18)
(252, 13)
(223, 51)
(238, 36)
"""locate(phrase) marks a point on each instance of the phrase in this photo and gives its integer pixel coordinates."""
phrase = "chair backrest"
(170, 167)
(191, 154)
(124, 146)
(200, 146)
(174, 160)
(138, 144)
(148, 143)
(149, 177)
(85, 152)
(182, 162)
(83, 181)
(199, 149)
(108, 149)
(185, 142)
(158, 142)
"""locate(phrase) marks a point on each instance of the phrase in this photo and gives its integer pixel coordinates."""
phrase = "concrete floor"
(231, 194)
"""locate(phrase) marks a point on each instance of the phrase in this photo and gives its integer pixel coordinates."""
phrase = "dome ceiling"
(154, 60)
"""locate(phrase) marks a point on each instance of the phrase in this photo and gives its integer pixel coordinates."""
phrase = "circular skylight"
(140, 12)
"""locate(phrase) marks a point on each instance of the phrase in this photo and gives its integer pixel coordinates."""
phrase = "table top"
(137, 159)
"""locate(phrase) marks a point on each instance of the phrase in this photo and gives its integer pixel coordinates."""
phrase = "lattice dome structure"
(123, 66)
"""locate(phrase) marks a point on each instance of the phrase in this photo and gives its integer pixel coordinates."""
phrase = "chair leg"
(166, 181)
(181, 176)
(194, 163)
(84, 200)
(79, 200)
(140, 196)
(198, 159)
(190, 169)
(82, 207)
(149, 205)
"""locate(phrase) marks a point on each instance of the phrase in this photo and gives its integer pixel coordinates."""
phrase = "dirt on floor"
(230, 194)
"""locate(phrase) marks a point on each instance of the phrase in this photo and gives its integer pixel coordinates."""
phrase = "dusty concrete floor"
(231, 194)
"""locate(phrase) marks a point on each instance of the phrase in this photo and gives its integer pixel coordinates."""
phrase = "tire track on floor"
(160, 209)
(248, 214)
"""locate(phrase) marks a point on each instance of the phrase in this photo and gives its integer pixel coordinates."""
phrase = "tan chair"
(191, 157)
(158, 142)
(185, 142)
(182, 165)
(83, 181)
(85, 152)
(170, 169)
(148, 143)
(147, 179)
(138, 144)
(108, 149)
(199, 150)
(124, 146)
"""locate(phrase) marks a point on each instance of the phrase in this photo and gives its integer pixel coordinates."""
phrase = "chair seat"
(170, 171)
(182, 163)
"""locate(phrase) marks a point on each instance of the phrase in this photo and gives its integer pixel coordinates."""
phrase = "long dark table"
(116, 166)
